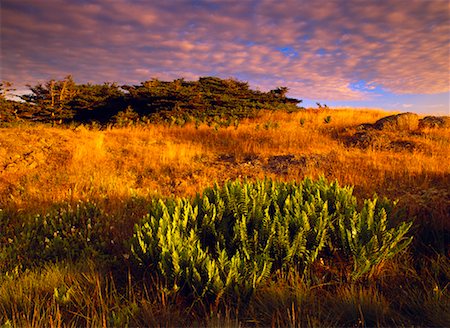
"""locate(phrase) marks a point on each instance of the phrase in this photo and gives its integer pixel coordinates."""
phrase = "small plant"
(327, 119)
(125, 118)
(302, 122)
(271, 125)
(67, 233)
(180, 122)
(172, 121)
(227, 122)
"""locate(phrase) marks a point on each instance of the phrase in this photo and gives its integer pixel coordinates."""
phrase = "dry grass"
(40, 166)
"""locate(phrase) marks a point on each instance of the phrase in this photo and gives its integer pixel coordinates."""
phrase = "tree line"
(65, 101)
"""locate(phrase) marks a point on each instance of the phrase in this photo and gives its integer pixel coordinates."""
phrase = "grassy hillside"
(96, 184)
(41, 165)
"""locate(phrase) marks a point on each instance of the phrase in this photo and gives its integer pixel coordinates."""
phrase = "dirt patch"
(247, 159)
(251, 159)
(280, 164)
(229, 158)
(276, 164)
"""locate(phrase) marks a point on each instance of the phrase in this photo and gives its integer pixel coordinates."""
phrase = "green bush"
(66, 233)
(232, 238)
(126, 118)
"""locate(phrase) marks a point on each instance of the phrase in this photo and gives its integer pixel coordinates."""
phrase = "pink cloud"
(402, 46)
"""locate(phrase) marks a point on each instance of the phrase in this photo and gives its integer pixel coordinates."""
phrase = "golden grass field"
(43, 167)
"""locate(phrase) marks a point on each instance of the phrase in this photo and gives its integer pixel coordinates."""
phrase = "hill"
(70, 197)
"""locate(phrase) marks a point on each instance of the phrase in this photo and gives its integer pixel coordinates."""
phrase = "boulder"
(399, 122)
(434, 122)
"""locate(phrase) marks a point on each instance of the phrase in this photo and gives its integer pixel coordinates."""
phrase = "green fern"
(230, 239)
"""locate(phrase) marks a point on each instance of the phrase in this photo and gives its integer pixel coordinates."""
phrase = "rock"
(364, 127)
(401, 145)
(399, 122)
(379, 141)
(434, 122)
(363, 140)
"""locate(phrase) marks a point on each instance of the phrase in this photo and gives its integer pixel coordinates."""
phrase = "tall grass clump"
(230, 239)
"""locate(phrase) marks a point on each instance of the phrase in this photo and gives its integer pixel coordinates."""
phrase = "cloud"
(400, 46)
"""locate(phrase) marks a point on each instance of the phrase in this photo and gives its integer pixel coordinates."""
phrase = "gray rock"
(399, 122)
(434, 122)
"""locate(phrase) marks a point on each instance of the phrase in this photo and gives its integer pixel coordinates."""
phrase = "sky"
(391, 54)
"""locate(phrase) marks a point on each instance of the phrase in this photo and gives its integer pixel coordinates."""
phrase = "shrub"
(230, 239)
(66, 233)
(271, 125)
(125, 118)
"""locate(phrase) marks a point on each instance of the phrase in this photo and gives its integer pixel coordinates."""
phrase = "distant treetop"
(208, 97)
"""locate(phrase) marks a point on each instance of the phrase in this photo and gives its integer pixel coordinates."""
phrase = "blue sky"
(423, 104)
(391, 54)
(419, 103)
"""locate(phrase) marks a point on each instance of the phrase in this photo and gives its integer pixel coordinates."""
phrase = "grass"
(43, 169)
(42, 165)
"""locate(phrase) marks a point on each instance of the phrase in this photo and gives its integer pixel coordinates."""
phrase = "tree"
(52, 98)
(280, 92)
(5, 88)
(98, 102)
(10, 109)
